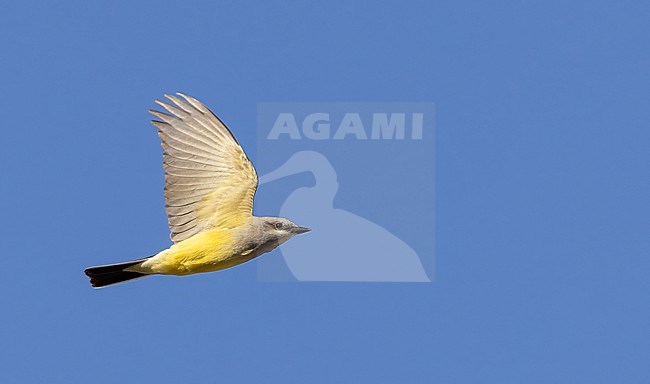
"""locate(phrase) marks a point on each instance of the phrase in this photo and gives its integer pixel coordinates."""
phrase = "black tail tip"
(99, 281)
(105, 275)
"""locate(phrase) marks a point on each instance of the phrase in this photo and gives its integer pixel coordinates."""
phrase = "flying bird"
(210, 185)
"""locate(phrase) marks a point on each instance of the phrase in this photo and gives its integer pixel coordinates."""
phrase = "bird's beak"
(299, 230)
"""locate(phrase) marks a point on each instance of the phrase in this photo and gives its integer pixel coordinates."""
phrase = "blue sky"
(541, 191)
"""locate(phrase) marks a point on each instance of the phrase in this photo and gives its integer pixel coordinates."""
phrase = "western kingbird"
(210, 185)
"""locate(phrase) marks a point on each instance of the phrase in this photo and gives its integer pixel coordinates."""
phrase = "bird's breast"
(206, 251)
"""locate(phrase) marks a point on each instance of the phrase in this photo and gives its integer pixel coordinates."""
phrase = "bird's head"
(281, 228)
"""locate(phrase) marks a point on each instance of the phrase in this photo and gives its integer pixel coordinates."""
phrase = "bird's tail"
(104, 275)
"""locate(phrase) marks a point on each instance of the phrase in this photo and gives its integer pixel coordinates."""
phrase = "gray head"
(282, 227)
(278, 228)
(264, 234)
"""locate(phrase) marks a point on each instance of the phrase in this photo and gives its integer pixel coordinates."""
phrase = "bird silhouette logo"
(343, 246)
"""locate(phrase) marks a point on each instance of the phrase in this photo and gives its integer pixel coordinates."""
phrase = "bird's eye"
(278, 225)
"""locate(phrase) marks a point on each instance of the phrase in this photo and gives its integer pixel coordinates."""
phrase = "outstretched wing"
(209, 180)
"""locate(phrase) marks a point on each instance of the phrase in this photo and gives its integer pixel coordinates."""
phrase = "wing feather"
(186, 151)
(181, 139)
(209, 180)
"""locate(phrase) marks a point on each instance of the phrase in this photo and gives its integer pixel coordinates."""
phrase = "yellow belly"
(207, 251)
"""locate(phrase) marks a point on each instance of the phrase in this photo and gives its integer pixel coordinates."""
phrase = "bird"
(368, 251)
(210, 185)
